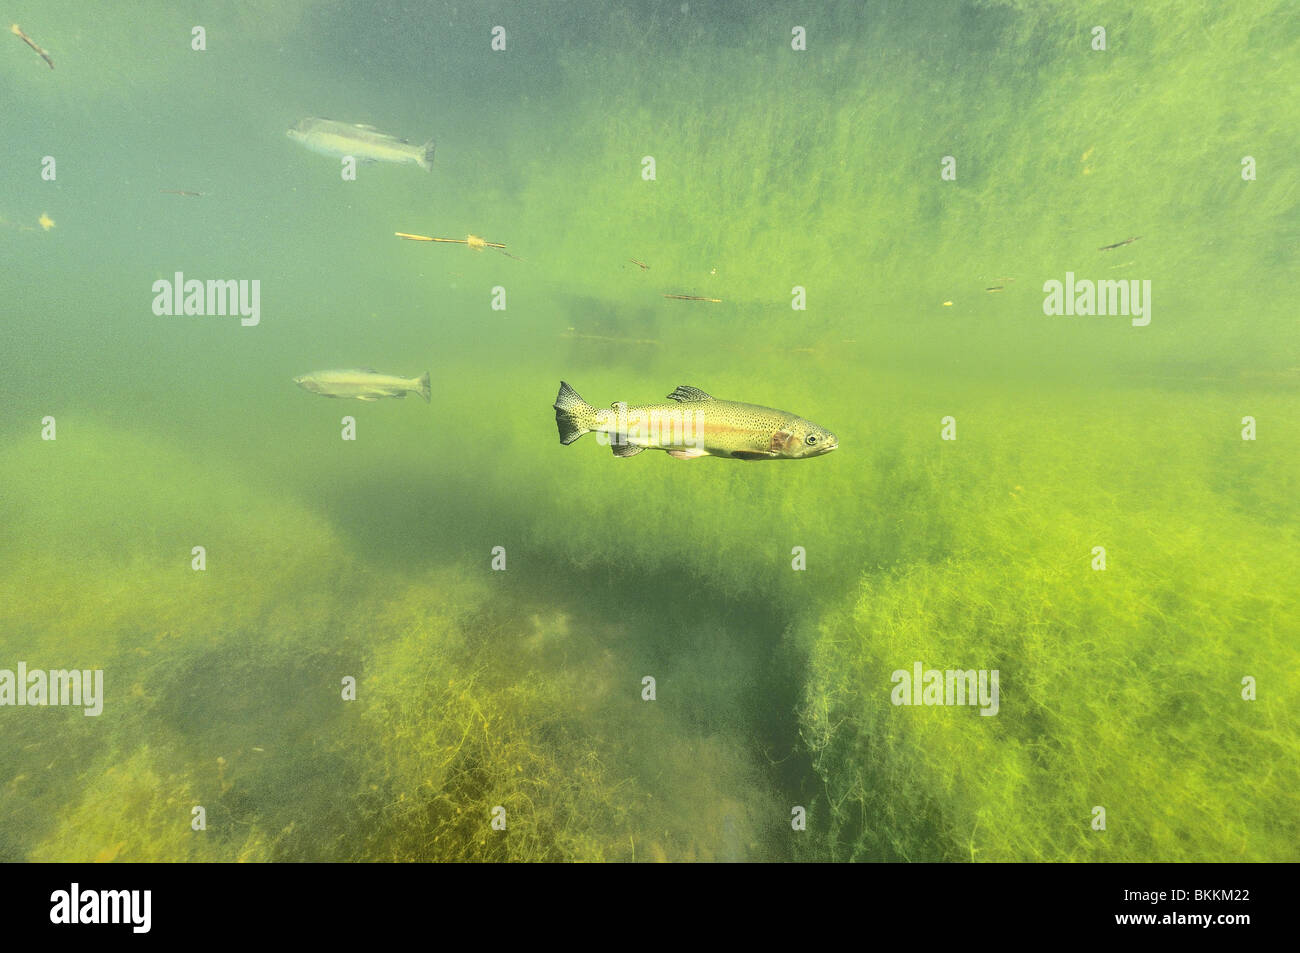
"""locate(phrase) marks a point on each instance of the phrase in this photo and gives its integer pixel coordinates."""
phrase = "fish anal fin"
(625, 449)
(685, 394)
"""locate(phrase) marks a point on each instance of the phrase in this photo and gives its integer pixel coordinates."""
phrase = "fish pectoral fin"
(683, 393)
(626, 449)
(752, 455)
(687, 454)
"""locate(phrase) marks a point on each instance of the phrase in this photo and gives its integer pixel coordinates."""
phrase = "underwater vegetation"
(770, 603)
(1120, 688)
(1126, 706)
(469, 698)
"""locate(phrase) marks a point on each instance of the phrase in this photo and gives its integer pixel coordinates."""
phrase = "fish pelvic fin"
(424, 386)
(573, 415)
(426, 156)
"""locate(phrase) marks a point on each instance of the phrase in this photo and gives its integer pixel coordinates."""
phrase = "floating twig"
(574, 333)
(180, 192)
(17, 31)
(473, 241)
(1127, 241)
(693, 298)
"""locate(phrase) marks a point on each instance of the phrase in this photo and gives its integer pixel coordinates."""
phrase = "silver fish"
(363, 384)
(366, 143)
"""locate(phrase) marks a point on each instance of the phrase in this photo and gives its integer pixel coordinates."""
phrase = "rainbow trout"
(364, 143)
(694, 425)
(364, 384)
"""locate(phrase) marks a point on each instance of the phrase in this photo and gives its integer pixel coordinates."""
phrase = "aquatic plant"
(520, 689)
(1120, 688)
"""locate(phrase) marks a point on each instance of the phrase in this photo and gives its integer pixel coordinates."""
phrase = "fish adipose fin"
(573, 415)
(424, 386)
(686, 394)
(426, 156)
(626, 449)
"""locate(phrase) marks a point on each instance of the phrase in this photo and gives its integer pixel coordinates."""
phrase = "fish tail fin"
(573, 415)
(426, 156)
(424, 386)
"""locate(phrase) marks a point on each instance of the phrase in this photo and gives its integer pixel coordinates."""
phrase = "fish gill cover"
(500, 600)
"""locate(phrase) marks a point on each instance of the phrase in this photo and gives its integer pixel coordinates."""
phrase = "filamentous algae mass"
(1030, 270)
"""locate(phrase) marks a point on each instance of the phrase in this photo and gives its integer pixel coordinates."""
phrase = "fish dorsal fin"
(687, 394)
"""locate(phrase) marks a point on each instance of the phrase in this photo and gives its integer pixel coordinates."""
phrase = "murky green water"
(522, 689)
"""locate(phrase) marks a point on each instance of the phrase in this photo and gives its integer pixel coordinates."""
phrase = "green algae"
(1120, 688)
(522, 689)
(468, 699)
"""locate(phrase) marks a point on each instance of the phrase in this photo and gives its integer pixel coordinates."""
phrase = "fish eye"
(811, 439)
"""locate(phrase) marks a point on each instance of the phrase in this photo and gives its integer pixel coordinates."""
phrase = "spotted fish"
(693, 425)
